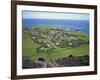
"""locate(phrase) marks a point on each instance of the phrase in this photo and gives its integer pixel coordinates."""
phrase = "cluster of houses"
(51, 38)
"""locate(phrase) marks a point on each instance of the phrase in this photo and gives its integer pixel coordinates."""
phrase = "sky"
(54, 15)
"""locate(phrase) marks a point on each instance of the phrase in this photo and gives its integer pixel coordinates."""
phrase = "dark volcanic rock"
(64, 62)
(74, 61)
(40, 63)
(26, 63)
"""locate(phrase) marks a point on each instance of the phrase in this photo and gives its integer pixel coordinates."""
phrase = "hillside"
(53, 43)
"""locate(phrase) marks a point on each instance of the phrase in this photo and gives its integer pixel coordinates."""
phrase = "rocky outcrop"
(74, 61)
(63, 62)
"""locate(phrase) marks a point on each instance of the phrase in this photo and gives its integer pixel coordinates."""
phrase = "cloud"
(54, 15)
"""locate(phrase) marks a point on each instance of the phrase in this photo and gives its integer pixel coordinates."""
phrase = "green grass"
(29, 49)
(76, 51)
(81, 35)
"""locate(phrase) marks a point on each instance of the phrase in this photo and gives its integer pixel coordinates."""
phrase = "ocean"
(81, 25)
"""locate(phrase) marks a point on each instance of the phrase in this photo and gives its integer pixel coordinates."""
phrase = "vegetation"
(51, 43)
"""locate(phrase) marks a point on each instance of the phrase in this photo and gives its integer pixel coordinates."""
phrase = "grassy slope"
(82, 36)
(29, 50)
(29, 47)
(77, 51)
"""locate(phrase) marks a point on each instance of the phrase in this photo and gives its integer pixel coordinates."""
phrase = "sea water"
(81, 25)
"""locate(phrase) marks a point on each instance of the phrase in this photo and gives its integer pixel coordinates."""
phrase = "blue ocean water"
(81, 25)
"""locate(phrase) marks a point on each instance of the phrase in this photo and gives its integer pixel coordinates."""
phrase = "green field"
(29, 48)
